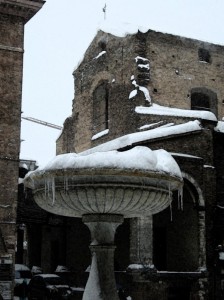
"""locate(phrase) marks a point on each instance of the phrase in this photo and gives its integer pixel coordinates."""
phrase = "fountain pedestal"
(101, 282)
(103, 188)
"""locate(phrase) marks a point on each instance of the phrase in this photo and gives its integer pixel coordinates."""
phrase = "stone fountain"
(103, 188)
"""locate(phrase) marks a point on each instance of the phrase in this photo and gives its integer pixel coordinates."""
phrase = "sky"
(57, 37)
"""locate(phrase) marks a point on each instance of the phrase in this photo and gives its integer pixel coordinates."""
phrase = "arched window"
(100, 108)
(203, 99)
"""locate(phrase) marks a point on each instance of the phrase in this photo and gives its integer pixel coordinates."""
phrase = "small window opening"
(200, 101)
(204, 99)
(103, 45)
(204, 55)
(100, 108)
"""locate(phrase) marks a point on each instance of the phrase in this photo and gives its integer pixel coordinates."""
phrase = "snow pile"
(100, 54)
(152, 125)
(99, 134)
(138, 158)
(220, 127)
(156, 109)
(133, 138)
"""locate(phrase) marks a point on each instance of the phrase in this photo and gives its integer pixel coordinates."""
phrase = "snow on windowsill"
(100, 134)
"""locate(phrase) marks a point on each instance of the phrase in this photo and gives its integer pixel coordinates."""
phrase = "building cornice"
(25, 9)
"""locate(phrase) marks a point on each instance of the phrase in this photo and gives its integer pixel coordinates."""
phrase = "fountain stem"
(101, 284)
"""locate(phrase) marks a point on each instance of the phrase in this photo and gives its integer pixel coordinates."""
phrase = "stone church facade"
(160, 91)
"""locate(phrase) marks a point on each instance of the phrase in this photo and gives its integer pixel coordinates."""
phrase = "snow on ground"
(156, 109)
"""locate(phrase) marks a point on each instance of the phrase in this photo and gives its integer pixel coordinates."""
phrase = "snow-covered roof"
(133, 138)
(156, 109)
(137, 158)
(121, 30)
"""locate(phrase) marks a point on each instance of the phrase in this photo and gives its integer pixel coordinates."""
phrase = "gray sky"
(56, 40)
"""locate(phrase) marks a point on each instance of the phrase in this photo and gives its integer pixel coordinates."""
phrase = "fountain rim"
(37, 178)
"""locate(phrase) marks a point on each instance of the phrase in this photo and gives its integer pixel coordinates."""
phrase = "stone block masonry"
(13, 16)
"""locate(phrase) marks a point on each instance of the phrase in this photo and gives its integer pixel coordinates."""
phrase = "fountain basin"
(130, 193)
(132, 183)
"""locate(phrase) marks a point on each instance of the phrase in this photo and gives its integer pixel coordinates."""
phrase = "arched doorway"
(176, 233)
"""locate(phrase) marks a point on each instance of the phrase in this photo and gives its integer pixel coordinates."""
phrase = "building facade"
(160, 91)
(13, 17)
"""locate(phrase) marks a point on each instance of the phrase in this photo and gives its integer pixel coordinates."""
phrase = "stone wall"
(11, 60)
(13, 16)
(170, 67)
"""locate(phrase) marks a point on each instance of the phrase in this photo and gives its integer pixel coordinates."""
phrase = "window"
(203, 99)
(100, 108)
(199, 101)
(204, 55)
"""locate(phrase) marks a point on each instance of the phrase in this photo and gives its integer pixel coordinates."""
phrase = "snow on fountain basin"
(132, 183)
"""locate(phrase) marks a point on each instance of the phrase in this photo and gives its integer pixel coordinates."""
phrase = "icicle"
(45, 188)
(180, 198)
(66, 184)
(171, 211)
(171, 208)
(53, 190)
(170, 193)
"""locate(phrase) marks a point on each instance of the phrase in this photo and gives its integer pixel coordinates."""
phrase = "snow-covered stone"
(156, 109)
